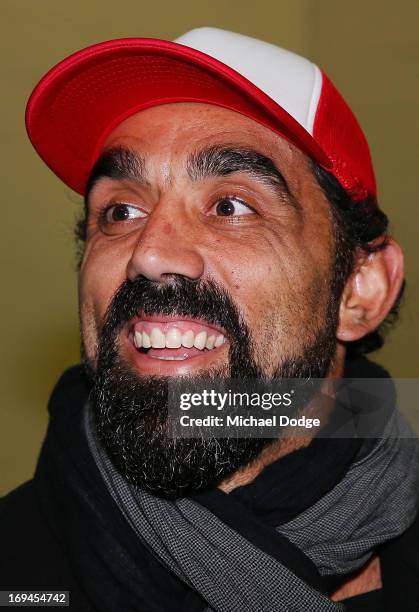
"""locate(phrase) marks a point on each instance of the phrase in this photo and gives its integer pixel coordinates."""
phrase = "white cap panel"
(254, 59)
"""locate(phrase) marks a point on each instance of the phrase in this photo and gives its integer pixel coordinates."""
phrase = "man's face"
(269, 244)
(201, 198)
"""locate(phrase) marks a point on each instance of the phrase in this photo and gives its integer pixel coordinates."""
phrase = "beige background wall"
(369, 48)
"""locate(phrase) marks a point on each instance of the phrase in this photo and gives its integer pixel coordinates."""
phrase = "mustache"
(177, 296)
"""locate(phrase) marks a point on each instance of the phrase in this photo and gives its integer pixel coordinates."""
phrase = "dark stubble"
(130, 410)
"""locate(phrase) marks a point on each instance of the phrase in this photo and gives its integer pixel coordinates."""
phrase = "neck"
(365, 580)
(276, 450)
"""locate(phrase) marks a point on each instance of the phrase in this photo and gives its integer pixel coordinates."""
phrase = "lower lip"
(153, 364)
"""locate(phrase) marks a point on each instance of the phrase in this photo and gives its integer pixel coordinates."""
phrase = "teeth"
(157, 338)
(200, 340)
(173, 338)
(188, 338)
(210, 342)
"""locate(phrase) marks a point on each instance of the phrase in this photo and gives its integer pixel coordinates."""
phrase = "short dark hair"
(357, 226)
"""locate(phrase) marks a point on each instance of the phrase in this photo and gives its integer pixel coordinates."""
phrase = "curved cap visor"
(82, 99)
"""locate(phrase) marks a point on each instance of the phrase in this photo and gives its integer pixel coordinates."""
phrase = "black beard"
(130, 410)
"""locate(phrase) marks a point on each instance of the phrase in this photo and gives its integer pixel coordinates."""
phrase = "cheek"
(282, 289)
(102, 272)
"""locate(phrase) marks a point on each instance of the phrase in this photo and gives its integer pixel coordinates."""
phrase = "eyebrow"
(224, 160)
(217, 160)
(118, 164)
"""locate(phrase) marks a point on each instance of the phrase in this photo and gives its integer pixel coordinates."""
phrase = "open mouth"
(171, 339)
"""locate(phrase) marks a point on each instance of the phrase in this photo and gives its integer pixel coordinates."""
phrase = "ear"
(370, 292)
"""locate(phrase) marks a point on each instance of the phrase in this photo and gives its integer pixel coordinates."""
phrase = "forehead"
(173, 131)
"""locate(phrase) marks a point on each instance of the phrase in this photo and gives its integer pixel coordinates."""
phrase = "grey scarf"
(375, 501)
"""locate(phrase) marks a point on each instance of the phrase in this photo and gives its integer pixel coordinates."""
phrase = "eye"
(121, 212)
(231, 206)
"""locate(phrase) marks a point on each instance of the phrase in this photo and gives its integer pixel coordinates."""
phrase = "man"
(231, 231)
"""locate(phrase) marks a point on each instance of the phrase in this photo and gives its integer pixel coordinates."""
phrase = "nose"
(165, 246)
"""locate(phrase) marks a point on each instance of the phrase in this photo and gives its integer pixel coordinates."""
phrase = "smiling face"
(205, 193)
(209, 252)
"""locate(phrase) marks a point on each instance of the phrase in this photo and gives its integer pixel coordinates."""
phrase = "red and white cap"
(82, 99)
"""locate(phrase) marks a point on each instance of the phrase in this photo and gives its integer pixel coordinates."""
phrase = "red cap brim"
(82, 99)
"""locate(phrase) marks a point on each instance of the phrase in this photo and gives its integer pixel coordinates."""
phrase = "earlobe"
(370, 292)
